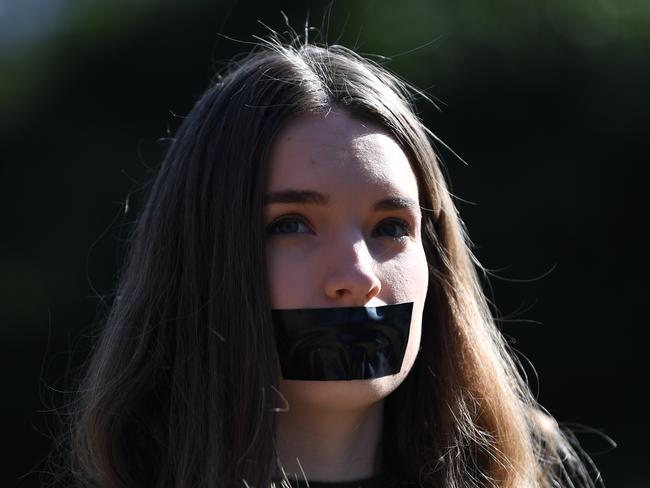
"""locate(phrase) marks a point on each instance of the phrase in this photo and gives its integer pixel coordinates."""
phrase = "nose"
(350, 275)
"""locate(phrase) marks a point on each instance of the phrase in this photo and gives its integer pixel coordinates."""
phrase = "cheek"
(278, 279)
(406, 277)
(289, 286)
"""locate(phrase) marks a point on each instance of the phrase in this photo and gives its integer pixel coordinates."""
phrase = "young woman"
(300, 305)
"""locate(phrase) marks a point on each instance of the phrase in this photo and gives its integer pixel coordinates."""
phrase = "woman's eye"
(393, 228)
(288, 225)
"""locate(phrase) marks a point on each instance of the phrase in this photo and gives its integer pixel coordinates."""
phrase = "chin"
(338, 395)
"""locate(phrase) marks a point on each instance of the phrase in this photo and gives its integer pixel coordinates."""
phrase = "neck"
(330, 445)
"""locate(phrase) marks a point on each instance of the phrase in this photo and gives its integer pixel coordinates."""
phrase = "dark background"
(547, 102)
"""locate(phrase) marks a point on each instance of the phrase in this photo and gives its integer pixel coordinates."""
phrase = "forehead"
(339, 151)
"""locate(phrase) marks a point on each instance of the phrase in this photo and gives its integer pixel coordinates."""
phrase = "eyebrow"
(396, 203)
(296, 196)
(316, 198)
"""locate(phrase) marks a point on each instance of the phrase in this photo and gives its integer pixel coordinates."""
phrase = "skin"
(343, 226)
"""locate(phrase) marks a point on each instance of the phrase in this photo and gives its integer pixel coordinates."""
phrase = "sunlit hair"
(181, 390)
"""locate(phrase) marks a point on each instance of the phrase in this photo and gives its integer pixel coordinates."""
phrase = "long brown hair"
(180, 390)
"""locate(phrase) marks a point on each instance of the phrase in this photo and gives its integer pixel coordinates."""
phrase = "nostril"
(351, 282)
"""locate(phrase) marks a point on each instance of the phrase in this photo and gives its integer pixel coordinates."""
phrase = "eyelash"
(273, 228)
(405, 228)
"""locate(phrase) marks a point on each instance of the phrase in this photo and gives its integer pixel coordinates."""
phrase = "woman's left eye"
(393, 228)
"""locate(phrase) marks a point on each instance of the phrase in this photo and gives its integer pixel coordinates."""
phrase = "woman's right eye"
(287, 226)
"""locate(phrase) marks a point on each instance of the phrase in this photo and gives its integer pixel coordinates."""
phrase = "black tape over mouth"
(348, 343)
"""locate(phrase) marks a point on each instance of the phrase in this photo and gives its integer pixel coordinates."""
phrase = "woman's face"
(343, 229)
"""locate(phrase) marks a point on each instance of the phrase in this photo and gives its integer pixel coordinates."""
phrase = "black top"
(375, 482)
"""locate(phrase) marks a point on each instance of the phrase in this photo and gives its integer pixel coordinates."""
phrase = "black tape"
(349, 343)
